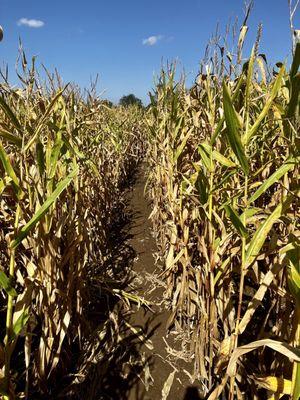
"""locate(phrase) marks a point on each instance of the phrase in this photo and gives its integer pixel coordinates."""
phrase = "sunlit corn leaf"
(10, 171)
(287, 350)
(274, 384)
(296, 61)
(55, 155)
(262, 232)
(274, 178)
(223, 160)
(43, 119)
(181, 146)
(233, 130)
(243, 32)
(257, 299)
(249, 212)
(236, 221)
(236, 92)
(294, 282)
(206, 156)
(293, 256)
(258, 120)
(6, 284)
(43, 209)
(249, 79)
(296, 382)
(294, 97)
(10, 114)
(20, 323)
(2, 185)
(216, 155)
(260, 62)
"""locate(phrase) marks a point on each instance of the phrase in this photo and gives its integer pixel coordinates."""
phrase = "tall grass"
(64, 158)
(224, 183)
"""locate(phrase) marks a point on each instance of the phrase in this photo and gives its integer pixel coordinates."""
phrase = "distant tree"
(107, 103)
(130, 100)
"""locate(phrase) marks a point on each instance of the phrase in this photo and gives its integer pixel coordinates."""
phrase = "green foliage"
(130, 100)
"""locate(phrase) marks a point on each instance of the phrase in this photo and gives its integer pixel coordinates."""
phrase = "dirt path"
(146, 283)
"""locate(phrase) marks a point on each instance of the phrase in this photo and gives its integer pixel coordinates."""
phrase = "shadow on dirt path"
(126, 357)
(146, 283)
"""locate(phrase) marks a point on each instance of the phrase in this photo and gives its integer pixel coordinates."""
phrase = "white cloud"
(31, 23)
(152, 40)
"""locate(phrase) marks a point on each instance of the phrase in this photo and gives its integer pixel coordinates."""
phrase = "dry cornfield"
(223, 179)
(224, 184)
(64, 160)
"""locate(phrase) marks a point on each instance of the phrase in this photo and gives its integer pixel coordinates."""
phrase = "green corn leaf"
(2, 186)
(43, 209)
(294, 98)
(249, 79)
(262, 232)
(296, 389)
(233, 130)
(222, 270)
(11, 138)
(276, 87)
(9, 113)
(222, 120)
(224, 180)
(73, 148)
(202, 187)
(43, 118)
(10, 171)
(182, 145)
(93, 166)
(55, 154)
(40, 156)
(179, 125)
(20, 323)
(289, 164)
(294, 282)
(223, 160)
(293, 256)
(236, 221)
(52, 105)
(5, 283)
(249, 212)
(206, 156)
(296, 61)
(216, 155)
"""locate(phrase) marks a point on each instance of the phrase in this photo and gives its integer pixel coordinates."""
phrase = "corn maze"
(222, 161)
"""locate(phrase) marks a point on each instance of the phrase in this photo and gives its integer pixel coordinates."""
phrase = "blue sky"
(125, 41)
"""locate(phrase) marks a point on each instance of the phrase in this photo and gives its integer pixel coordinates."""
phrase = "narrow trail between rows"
(146, 283)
